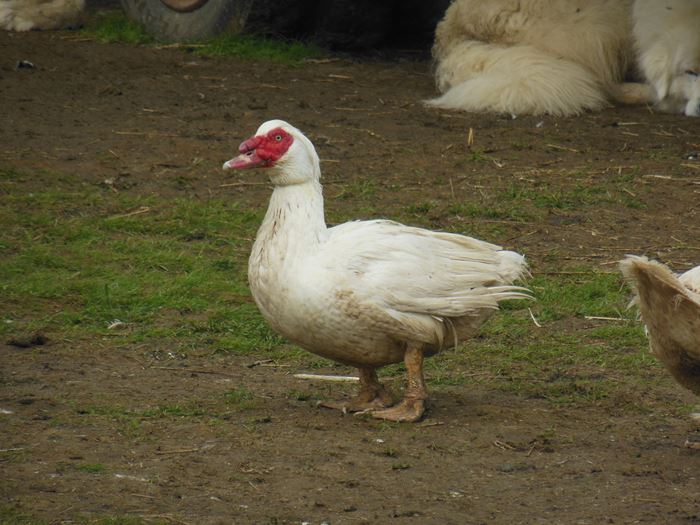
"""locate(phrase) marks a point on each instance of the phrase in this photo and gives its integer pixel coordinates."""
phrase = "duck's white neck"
(294, 217)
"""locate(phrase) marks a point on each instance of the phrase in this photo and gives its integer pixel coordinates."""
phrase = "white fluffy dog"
(667, 37)
(532, 56)
(559, 57)
(26, 15)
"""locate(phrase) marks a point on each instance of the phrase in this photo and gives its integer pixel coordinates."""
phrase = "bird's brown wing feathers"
(672, 316)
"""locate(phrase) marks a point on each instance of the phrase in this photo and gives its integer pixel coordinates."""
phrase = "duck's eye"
(278, 138)
(691, 72)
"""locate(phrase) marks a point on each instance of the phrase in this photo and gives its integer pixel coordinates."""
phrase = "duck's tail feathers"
(512, 267)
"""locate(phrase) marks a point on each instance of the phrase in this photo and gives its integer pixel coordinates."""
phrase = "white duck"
(670, 308)
(364, 293)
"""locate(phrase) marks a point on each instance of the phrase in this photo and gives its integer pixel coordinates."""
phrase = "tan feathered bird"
(670, 308)
(364, 293)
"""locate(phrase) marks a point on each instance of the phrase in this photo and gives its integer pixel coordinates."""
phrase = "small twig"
(320, 377)
(599, 318)
(431, 424)
(664, 177)
(178, 451)
(149, 133)
(320, 60)
(142, 209)
(532, 316)
(244, 183)
(192, 370)
(260, 362)
(555, 146)
(503, 446)
(178, 46)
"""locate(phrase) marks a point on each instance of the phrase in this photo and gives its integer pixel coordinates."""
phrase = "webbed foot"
(372, 396)
(409, 410)
(363, 402)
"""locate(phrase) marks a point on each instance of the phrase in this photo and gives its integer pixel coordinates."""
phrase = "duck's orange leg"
(412, 407)
(372, 395)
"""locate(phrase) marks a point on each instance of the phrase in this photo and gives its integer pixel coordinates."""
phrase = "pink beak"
(245, 160)
(248, 158)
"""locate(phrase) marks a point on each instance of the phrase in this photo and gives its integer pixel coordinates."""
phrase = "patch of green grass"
(172, 411)
(299, 395)
(420, 208)
(114, 26)
(256, 48)
(359, 189)
(521, 146)
(484, 211)
(559, 198)
(178, 271)
(91, 468)
(578, 196)
(478, 155)
(592, 294)
(240, 398)
(10, 516)
(130, 418)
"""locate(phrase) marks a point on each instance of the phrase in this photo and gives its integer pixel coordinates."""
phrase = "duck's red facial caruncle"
(261, 150)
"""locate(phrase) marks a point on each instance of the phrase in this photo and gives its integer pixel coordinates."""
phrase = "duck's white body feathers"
(359, 292)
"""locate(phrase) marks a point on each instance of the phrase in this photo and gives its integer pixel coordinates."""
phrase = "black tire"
(168, 25)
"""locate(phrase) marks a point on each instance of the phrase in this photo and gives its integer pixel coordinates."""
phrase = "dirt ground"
(162, 121)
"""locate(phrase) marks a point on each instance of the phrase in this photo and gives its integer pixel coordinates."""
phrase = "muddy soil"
(161, 122)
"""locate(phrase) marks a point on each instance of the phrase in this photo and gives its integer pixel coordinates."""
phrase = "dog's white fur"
(667, 38)
(559, 57)
(531, 56)
(26, 15)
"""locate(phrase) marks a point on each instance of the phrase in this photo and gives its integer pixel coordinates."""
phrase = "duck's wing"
(671, 313)
(412, 270)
